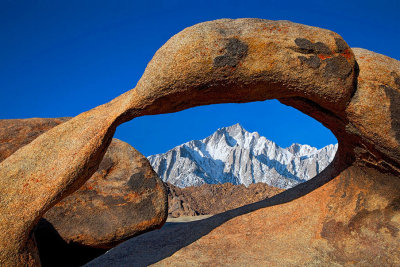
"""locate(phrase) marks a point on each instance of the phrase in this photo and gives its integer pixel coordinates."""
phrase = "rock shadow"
(54, 251)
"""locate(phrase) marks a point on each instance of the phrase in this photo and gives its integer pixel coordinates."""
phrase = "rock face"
(123, 198)
(348, 214)
(213, 199)
(234, 155)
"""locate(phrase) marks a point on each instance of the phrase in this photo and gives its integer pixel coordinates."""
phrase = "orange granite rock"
(123, 198)
(17, 133)
(346, 214)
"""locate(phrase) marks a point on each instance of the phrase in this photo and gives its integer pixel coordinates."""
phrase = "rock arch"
(243, 60)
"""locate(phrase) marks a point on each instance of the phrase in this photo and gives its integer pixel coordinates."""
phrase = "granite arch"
(241, 60)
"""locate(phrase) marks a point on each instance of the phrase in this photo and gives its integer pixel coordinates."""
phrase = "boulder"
(348, 214)
(123, 198)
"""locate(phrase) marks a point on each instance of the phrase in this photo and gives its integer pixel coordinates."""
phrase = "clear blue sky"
(60, 58)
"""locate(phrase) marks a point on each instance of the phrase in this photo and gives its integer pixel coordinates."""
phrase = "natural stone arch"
(223, 61)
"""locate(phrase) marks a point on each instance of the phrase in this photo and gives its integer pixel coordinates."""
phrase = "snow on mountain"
(234, 155)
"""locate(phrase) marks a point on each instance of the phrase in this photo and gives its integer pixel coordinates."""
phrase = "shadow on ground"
(157, 245)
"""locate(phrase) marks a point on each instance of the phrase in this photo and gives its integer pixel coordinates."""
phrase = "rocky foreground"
(123, 198)
(115, 204)
(347, 215)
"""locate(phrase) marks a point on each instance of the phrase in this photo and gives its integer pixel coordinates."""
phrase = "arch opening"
(230, 149)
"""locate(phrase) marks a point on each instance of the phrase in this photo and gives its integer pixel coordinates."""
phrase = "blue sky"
(60, 58)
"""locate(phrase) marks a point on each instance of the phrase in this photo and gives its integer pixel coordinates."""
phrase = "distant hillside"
(212, 199)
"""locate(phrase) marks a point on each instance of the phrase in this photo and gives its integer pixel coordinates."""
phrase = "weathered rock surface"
(374, 111)
(17, 133)
(123, 198)
(214, 198)
(348, 214)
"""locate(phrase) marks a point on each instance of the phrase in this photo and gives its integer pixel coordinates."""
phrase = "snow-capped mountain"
(234, 155)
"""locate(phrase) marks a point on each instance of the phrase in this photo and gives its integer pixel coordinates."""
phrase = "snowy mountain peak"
(234, 130)
(232, 154)
(232, 135)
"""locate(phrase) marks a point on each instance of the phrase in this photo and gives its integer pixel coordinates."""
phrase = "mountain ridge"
(232, 154)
